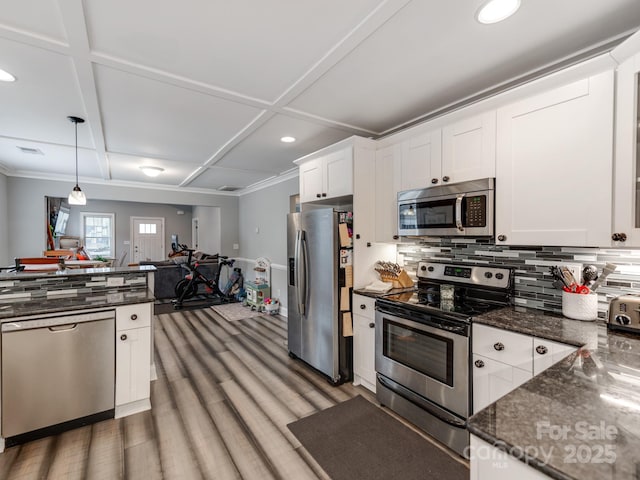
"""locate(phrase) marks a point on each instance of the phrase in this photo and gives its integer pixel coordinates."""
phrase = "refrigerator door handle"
(300, 272)
(302, 284)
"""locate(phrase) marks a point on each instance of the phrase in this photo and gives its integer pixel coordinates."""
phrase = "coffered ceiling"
(205, 88)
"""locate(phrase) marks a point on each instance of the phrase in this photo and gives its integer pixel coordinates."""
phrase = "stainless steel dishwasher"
(55, 369)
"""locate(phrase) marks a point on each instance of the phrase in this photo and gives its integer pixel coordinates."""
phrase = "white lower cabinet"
(493, 379)
(504, 360)
(364, 369)
(547, 353)
(489, 463)
(133, 358)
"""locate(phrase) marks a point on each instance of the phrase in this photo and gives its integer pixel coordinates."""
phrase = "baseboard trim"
(133, 407)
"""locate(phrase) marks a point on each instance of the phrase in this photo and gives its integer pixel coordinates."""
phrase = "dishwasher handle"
(63, 328)
(54, 321)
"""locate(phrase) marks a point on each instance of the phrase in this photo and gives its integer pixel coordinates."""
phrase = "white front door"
(147, 239)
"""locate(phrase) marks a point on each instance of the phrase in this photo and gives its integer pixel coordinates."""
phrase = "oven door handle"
(423, 403)
(459, 200)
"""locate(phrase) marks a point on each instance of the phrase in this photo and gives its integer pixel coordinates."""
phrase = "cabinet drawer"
(507, 347)
(133, 316)
(365, 306)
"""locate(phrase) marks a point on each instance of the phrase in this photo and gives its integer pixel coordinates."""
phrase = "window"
(98, 233)
(149, 228)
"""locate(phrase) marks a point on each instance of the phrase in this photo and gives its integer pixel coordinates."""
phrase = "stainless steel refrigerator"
(315, 277)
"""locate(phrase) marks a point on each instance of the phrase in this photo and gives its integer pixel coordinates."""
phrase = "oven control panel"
(479, 275)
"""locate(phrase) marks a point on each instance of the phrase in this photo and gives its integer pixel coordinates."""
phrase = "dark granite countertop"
(579, 419)
(370, 293)
(75, 271)
(538, 323)
(10, 311)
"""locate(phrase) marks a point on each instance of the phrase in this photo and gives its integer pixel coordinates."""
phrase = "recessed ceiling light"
(152, 171)
(494, 11)
(288, 139)
(6, 76)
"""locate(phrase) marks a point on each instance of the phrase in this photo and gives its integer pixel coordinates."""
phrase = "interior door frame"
(132, 233)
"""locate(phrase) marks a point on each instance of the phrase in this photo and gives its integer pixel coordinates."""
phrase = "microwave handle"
(459, 199)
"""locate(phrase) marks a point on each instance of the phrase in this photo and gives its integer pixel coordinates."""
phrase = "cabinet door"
(489, 463)
(554, 166)
(311, 180)
(339, 173)
(493, 379)
(506, 347)
(469, 149)
(627, 157)
(133, 365)
(386, 193)
(364, 341)
(547, 353)
(421, 161)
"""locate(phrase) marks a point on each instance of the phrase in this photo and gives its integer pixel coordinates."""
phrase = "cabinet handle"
(479, 363)
(363, 306)
(619, 237)
(541, 349)
(357, 236)
(434, 180)
(371, 325)
(123, 337)
(318, 195)
(502, 238)
(445, 178)
(396, 237)
(134, 317)
(324, 194)
(368, 244)
(499, 346)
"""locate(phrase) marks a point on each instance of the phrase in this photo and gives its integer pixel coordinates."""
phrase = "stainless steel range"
(423, 345)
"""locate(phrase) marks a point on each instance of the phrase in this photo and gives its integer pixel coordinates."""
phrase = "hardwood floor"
(224, 395)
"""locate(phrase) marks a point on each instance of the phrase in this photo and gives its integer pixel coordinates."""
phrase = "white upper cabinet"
(554, 166)
(626, 225)
(421, 162)
(469, 149)
(327, 176)
(458, 151)
(387, 185)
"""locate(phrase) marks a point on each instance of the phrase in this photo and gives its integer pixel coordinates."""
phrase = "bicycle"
(188, 287)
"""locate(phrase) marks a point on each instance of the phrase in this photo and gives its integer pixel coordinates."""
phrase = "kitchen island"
(76, 348)
(578, 419)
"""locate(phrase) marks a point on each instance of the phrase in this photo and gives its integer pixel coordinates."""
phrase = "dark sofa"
(168, 273)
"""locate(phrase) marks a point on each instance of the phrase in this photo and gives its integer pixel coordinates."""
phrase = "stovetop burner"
(431, 299)
(459, 290)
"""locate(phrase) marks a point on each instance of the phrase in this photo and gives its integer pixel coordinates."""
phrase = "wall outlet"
(126, 242)
(575, 268)
(236, 246)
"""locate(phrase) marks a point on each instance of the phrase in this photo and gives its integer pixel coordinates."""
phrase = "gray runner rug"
(357, 440)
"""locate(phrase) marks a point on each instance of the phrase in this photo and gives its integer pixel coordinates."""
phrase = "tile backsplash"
(533, 282)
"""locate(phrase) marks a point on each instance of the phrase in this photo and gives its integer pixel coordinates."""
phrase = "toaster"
(624, 313)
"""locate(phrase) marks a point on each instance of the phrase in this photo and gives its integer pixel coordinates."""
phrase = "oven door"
(430, 357)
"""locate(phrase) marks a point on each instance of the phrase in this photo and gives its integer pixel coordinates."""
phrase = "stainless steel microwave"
(462, 209)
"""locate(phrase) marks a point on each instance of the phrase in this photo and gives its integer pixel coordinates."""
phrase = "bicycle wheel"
(185, 289)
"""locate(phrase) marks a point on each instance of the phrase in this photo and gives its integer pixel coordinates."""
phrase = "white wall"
(263, 231)
(209, 230)
(5, 257)
(26, 209)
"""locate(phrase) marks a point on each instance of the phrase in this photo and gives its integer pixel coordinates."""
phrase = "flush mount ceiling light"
(77, 196)
(152, 171)
(6, 76)
(288, 139)
(494, 11)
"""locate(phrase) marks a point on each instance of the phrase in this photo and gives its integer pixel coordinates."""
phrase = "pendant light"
(77, 196)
